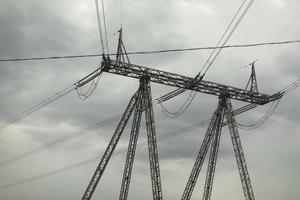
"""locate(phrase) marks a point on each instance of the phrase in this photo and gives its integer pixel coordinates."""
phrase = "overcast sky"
(33, 28)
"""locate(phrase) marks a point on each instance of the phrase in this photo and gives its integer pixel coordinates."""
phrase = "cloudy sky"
(32, 28)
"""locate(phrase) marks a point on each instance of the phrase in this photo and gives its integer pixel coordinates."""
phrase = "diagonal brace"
(238, 151)
(110, 149)
(132, 146)
(214, 152)
(152, 144)
(189, 188)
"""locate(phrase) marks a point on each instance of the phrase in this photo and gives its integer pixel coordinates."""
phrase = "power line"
(33, 80)
(86, 162)
(105, 26)
(181, 109)
(262, 120)
(283, 31)
(90, 91)
(65, 139)
(38, 106)
(60, 141)
(209, 62)
(153, 51)
(67, 90)
(294, 85)
(99, 26)
(72, 87)
(291, 87)
(162, 137)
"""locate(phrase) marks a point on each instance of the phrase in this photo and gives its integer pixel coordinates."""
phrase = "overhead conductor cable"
(205, 67)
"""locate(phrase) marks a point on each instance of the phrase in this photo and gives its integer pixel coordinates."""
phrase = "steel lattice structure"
(141, 102)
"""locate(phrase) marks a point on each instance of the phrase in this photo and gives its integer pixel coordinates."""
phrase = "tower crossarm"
(181, 81)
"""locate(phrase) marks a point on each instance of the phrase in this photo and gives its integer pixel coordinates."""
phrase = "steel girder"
(152, 143)
(214, 152)
(132, 146)
(189, 188)
(238, 151)
(110, 149)
(180, 81)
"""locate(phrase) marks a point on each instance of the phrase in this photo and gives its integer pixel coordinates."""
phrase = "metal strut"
(132, 146)
(141, 101)
(213, 136)
(238, 151)
(152, 145)
(121, 56)
(110, 149)
(180, 81)
(189, 188)
(252, 82)
(214, 151)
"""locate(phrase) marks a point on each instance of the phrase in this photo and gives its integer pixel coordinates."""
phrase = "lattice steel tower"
(141, 102)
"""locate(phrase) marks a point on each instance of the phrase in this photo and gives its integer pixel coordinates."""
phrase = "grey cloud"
(40, 28)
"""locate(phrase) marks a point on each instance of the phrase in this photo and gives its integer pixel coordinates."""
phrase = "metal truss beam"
(238, 151)
(189, 188)
(132, 146)
(180, 81)
(214, 152)
(110, 149)
(152, 144)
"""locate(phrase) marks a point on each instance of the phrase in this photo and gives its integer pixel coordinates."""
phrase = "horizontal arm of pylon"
(181, 81)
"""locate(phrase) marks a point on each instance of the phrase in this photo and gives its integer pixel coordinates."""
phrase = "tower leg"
(189, 188)
(152, 145)
(132, 146)
(238, 151)
(214, 152)
(110, 149)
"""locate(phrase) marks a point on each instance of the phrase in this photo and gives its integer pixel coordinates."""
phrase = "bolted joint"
(145, 78)
(106, 62)
(224, 94)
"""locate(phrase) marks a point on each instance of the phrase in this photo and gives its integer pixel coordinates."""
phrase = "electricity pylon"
(141, 102)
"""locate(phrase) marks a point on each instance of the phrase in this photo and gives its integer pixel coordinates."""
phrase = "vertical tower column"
(110, 149)
(214, 150)
(215, 122)
(132, 145)
(152, 144)
(238, 151)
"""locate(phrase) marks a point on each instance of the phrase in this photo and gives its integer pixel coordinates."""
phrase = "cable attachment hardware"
(94, 78)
